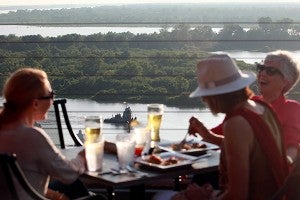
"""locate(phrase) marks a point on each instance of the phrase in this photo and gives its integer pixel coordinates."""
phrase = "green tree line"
(142, 68)
(155, 13)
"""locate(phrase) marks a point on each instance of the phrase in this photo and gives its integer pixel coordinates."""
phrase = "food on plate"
(156, 159)
(187, 146)
(171, 160)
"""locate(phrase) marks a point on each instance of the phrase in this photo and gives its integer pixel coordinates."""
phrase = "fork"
(183, 141)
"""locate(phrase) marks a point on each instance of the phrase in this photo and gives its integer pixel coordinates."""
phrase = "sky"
(57, 2)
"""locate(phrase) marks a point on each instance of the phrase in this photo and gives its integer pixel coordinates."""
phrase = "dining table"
(141, 173)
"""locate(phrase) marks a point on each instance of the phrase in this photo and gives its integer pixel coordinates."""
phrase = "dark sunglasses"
(50, 96)
(269, 70)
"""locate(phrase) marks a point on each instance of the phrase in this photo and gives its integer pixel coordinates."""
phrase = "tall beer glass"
(93, 128)
(155, 112)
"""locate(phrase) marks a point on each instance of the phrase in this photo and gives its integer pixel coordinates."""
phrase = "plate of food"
(191, 147)
(165, 160)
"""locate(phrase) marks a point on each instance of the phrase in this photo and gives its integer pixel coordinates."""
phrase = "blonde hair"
(289, 67)
(224, 103)
(19, 90)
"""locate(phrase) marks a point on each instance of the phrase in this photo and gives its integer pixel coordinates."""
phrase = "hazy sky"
(47, 2)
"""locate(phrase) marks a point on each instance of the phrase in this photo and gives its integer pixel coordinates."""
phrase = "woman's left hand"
(196, 192)
(54, 195)
(81, 155)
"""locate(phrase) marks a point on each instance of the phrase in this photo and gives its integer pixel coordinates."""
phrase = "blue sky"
(48, 2)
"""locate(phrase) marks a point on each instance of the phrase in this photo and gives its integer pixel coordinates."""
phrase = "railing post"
(58, 123)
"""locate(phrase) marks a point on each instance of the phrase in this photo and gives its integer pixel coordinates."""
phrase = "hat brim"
(246, 79)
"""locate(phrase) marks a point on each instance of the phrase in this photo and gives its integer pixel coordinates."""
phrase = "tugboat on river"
(121, 119)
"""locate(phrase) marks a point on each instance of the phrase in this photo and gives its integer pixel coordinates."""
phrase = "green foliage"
(142, 68)
(201, 12)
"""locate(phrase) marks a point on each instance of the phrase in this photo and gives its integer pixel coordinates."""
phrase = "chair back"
(291, 187)
(61, 103)
(12, 179)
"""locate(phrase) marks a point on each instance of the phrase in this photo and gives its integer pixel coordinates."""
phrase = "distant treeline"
(160, 13)
(142, 68)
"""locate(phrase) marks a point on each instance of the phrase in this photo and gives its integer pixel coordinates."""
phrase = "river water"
(54, 31)
(173, 127)
(51, 31)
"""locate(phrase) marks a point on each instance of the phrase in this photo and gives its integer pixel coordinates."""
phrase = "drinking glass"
(155, 112)
(141, 137)
(125, 144)
(94, 155)
(93, 128)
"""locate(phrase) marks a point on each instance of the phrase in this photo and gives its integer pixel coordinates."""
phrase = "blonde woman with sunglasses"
(28, 96)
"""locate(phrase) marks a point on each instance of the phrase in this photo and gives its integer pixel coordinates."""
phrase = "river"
(173, 127)
(50, 31)
(54, 31)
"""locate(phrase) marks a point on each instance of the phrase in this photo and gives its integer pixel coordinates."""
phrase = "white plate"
(183, 160)
(195, 151)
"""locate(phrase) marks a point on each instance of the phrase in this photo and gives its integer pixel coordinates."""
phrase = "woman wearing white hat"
(253, 162)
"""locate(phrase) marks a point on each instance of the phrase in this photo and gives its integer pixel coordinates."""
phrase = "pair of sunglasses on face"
(271, 71)
(50, 96)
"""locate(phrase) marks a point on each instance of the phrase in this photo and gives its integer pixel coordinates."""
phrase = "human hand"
(197, 127)
(54, 195)
(81, 155)
(196, 192)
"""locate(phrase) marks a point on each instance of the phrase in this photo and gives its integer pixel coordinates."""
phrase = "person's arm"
(196, 127)
(291, 133)
(237, 144)
(55, 164)
(289, 117)
(292, 154)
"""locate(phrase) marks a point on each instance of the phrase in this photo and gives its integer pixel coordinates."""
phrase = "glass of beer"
(155, 112)
(93, 128)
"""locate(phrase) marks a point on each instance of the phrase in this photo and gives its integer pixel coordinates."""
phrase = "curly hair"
(289, 67)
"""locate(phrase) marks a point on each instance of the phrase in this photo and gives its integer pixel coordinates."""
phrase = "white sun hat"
(219, 74)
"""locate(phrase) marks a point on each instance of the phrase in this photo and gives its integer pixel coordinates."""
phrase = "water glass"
(142, 135)
(155, 112)
(93, 128)
(94, 155)
(125, 150)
